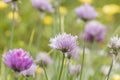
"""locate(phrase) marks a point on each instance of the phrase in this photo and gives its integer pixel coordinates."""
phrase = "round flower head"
(64, 42)
(43, 59)
(73, 69)
(18, 59)
(86, 12)
(94, 31)
(114, 42)
(31, 71)
(114, 46)
(43, 5)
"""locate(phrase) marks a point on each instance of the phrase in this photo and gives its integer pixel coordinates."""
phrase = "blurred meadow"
(33, 34)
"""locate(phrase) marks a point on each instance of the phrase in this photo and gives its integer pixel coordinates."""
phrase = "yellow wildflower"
(116, 77)
(111, 9)
(86, 1)
(47, 20)
(16, 15)
(39, 70)
(3, 5)
(63, 10)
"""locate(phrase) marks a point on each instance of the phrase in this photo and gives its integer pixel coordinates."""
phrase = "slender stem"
(54, 25)
(62, 24)
(12, 28)
(109, 71)
(59, 17)
(61, 67)
(50, 51)
(26, 78)
(16, 75)
(16, 78)
(67, 77)
(45, 71)
(40, 30)
(82, 60)
(31, 38)
(39, 36)
(57, 20)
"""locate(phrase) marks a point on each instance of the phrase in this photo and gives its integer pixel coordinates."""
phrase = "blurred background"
(27, 22)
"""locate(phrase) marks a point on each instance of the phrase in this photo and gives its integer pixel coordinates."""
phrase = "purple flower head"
(73, 69)
(86, 12)
(18, 59)
(64, 42)
(43, 5)
(43, 59)
(94, 31)
(31, 71)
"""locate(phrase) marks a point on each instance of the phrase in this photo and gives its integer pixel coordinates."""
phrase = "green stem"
(62, 24)
(45, 71)
(26, 78)
(57, 19)
(50, 51)
(67, 77)
(16, 78)
(16, 75)
(54, 25)
(109, 71)
(82, 61)
(61, 67)
(12, 28)
(31, 38)
(40, 30)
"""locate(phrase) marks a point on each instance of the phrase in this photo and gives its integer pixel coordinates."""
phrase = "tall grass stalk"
(61, 67)
(31, 38)
(67, 70)
(82, 66)
(12, 29)
(62, 24)
(3, 72)
(45, 71)
(16, 75)
(108, 76)
(39, 32)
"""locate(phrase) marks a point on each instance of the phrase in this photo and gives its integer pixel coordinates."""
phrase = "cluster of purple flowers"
(20, 60)
(94, 30)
